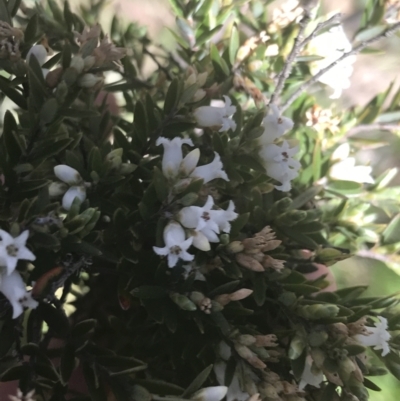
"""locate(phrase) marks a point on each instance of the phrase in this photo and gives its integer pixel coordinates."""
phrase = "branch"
(372, 127)
(386, 33)
(322, 25)
(159, 65)
(288, 66)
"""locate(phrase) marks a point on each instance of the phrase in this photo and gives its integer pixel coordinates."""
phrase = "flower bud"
(246, 339)
(266, 341)
(249, 263)
(77, 63)
(198, 95)
(72, 193)
(127, 168)
(223, 299)
(318, 311)
(67, 174)
(89, 81)
(89, 62)
(215, 393)
(235, 247)
(57, 189)
(183, 302)
(240, 294)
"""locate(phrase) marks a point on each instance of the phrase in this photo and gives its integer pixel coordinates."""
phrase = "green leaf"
(391, 234)
(306, 196)
(183, 302)
(4, 12)
(94, 385)
(345, 187)
(160, 185)
(67, 363)
(12, 93)
(316, 163)
(13, 144)
(172, 97)
(218, 62)
(197, 382)
(37, 85)
(160, 387)
(207, 34)
(233, 44)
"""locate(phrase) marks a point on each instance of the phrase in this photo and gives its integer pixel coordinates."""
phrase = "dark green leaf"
(197, 382)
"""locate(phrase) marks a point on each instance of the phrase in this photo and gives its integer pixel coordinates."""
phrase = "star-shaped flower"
(12, 249)
(377, 337)
(175, 244)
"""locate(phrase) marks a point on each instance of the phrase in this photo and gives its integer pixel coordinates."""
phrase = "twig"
(386, 33)
(322, 25)
(161, 67)
(288, 66)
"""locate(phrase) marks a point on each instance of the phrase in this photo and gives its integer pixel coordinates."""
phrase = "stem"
(161, 67)
(288, 66)
(386, 33)
(372, 127)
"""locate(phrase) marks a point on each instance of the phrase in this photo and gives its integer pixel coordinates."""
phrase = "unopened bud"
(268, 391)
(318, 311)
(249, 263)
(246, 339)
(57, 189)
(266, 341)
(77, 63)
(202, 78)
(183, 302)
(240, 294)
(223, 299)
(249, 356)
(89, 81)
(67, 174)
(89, 62)
(210, 393)
(198, 95)
(235, 247)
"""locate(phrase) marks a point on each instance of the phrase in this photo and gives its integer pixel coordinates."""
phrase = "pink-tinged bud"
(240, 294)
(323, 270)
(249, 356)
(248, 262)
(235, 247)
(246, 339)
(223, 299)
(266, 341)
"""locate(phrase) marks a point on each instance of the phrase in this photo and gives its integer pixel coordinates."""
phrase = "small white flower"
(215, 393)
(12, 249)
(209, 116)
(72, 193)
(172, 157)
(331, 45)
(207, 222)
(311, 375)
(13, 288)
(40, 52)
(279, 164)
(67, 174)
(378, 336)
(274, 125)
(211, 171)
(175, 244)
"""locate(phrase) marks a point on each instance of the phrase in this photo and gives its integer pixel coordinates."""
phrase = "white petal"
(211, 171)
(210, 235)
(57, 188)
(309, 377)
(172, 156)
(71, 194)
(189, 216)
(174, 234)
(208, 116)
(67, 174)
(39, 51)
(161, 251)
(172, 260)
(14, 290)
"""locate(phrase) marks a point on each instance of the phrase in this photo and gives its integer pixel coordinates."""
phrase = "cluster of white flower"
(278, 158)
(202, 224)
(11, 284)
(72, 185)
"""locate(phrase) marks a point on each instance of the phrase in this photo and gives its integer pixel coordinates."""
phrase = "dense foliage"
(166, 234)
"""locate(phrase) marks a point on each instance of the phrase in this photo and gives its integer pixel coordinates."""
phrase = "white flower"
(175, 244)
(311, 375)
(40, 52)
(12, 249)
(274, 125)
(172, 157)
(280, 164)
(215, 393)
(210, 171)
(378, 336)
(331, 45)
(71, 177)
(345, 168)
(13, 288)
(72, 193)
(209, 116)
(207, 222)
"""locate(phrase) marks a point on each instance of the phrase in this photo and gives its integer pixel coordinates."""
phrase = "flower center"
(280, 121)
(205, 216)
(176, 249)
(285, 155)
(12, 250)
